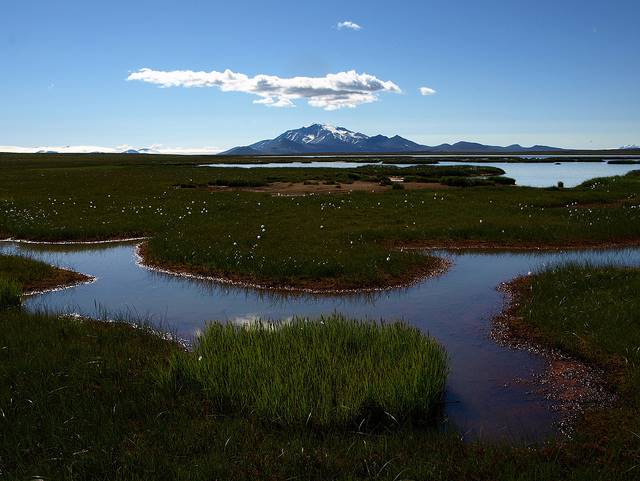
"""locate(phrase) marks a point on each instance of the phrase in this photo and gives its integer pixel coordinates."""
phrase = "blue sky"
(561, 72)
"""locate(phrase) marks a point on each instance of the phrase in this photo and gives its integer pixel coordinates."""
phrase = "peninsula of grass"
(322, 241)
(21, 275)
(81, 399)
(326, 372)
(593, 314)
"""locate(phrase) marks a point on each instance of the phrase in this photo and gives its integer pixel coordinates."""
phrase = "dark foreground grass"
(330, 240)
(326, 372)
(10, 292)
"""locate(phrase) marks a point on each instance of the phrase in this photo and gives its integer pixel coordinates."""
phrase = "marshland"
(351, 334)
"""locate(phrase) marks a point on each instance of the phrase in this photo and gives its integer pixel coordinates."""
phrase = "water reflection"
(530, 174)
(482, 398)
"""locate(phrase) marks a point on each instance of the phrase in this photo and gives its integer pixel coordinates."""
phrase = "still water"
(482, 399)
(525, 174)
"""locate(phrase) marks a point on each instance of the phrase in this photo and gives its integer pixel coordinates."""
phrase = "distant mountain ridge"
(318, 138)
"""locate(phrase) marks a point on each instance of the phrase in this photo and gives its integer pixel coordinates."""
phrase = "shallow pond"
(482, 399)
(525, 174)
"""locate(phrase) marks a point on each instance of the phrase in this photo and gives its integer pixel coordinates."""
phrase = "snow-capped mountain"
(318, 134)
(318, 138)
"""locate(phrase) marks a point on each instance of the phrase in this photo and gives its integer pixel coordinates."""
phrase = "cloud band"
(331, 92)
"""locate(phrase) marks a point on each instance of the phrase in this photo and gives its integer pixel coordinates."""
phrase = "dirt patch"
(432, 267)
(301, 188)
(59, 279)
(572, 386)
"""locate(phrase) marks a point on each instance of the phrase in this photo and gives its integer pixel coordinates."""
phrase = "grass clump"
(328, 372)
(10, 292)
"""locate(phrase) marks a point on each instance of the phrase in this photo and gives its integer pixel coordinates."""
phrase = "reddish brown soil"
(59, 279)
(300, 188)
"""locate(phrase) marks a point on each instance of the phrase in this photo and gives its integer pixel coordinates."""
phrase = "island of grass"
(324, 372)
(81, 399)
(316, 241)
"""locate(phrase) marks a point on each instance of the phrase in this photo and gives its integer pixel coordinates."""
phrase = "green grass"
(595, 316)
(345, 240)
(29, 274)
(10, 293)
(20, 274)
(331, 371)
(84, 400)
(593, 313)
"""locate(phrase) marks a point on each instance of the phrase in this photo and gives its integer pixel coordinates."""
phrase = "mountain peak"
(320, 138)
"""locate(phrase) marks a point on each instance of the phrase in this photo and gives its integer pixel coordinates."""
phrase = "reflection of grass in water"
(330, 371)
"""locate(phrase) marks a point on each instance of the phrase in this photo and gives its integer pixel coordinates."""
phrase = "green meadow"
(350, 240)
(345, 399)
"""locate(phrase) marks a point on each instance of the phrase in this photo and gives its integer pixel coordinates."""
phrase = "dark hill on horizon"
(323, 138)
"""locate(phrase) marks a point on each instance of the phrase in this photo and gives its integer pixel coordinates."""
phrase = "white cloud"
(348, 24)
(426, 91)
(331, 92)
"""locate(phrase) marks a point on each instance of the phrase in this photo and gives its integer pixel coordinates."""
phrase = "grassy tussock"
(324, 372)
(9, 293)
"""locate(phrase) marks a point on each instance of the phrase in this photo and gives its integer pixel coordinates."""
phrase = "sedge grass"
(10, 292)
(325, 372)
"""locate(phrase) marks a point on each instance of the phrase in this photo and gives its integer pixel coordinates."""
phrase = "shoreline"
(490, 246)
(82, 242)
(573, 386)
(82, 279)
(328, 286)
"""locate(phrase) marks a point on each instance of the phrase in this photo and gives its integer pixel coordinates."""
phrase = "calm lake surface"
(482, 399)
(526, 174)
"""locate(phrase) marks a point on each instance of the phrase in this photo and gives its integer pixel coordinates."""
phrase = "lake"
(482, 397)
(542, 174)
